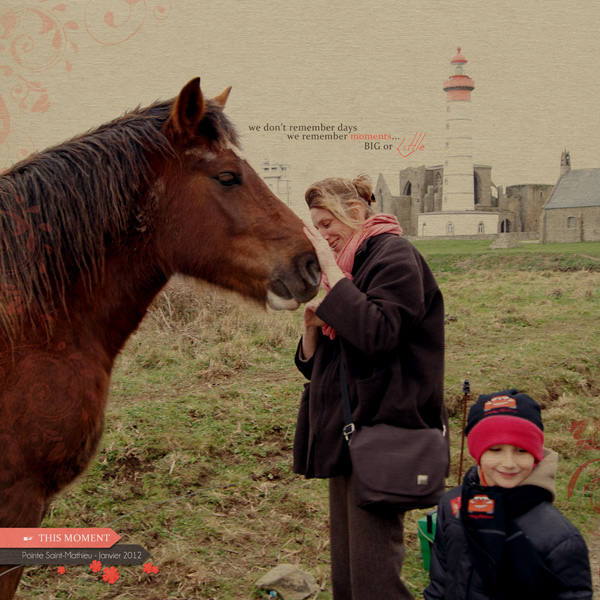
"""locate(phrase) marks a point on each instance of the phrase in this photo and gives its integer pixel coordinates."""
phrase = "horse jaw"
(278, 303)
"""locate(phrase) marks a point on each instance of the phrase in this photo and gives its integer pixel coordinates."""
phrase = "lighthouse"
(460, 211)
(458, 190)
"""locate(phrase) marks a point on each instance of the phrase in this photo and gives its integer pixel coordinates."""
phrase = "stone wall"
(520, 237)
(483, 179)
(526, 201)
(519, 207)
(571, 224)
(456, 224)
(416, 178)
(402, 207)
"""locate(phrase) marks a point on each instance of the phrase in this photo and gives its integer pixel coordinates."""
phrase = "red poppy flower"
(111, 575)
(95, 566)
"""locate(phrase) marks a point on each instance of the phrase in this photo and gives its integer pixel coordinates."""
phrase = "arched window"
(450, 228)
(481, 228)
(505, 226)
(424, 229)
(408, 189)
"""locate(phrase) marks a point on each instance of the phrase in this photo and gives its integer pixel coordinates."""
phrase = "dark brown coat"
(390, 328)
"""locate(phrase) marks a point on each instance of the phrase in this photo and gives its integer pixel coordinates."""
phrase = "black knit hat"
(506, 417)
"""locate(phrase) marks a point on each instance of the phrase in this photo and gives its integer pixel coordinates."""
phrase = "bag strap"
(349, 427)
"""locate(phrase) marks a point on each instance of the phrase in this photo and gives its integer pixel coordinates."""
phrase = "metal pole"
(466, 394)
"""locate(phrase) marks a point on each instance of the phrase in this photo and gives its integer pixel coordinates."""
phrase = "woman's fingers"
(311, 319)
(312, 234)
(324, 253)
(319, 243)
(314, 304)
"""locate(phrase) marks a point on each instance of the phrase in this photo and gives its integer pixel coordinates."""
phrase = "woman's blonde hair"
(339, 196)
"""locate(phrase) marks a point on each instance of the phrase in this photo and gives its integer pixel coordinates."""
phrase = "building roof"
(576, 189)
(382, 182)
(441, 166)
(459, 58)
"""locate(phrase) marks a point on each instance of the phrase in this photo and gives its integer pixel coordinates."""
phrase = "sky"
(67, 66)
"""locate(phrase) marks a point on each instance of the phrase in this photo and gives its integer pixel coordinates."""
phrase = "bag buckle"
(349, 430)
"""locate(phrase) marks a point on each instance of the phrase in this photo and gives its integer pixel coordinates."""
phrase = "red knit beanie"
(506, 417)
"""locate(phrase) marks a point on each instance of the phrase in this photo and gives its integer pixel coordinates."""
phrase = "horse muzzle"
(297, 284)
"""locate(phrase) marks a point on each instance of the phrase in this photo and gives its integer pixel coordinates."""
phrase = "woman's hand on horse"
(324, 254)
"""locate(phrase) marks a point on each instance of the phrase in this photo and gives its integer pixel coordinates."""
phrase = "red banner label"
(61, 537)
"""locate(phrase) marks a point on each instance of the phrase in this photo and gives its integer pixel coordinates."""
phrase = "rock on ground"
(289, 582)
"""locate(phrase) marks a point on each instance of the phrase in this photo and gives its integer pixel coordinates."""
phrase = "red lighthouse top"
(459, 58)
(458, 86)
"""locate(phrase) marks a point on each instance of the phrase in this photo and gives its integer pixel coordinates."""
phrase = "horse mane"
(62, 207)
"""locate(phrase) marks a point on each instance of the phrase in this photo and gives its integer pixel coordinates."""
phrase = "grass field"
(195, 463)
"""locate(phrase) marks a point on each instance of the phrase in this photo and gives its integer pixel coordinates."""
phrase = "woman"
(383, 315)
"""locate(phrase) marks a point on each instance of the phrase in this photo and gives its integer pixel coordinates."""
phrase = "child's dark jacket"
(556, 546)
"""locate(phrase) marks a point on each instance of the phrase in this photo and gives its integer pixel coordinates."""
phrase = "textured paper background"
(67, 66)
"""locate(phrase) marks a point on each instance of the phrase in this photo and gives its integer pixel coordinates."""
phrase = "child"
(498, 535)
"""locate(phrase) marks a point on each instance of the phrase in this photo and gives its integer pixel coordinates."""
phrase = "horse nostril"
(308, 269)
(313, 270)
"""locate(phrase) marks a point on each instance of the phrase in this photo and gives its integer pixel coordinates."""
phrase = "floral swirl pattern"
(585, 482)
(112, 22)
(19, 230)
(35, 39)
(44, 422)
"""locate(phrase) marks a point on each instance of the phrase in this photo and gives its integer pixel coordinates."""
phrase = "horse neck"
(113, 308)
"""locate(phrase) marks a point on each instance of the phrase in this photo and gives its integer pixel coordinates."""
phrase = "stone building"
(517, 209)
(277, 176)
(459, 198)
(520, 207)
(572, 214)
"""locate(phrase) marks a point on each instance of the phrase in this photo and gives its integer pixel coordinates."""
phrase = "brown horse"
(90, 232)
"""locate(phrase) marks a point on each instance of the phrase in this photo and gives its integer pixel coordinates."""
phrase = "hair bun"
(363, 185)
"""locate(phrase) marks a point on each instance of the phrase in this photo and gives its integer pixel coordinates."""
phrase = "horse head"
(216, 219)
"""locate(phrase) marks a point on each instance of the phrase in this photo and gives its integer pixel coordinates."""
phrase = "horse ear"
(222, 97)
(188, 111)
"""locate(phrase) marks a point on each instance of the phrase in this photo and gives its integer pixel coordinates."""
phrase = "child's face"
(505, 465)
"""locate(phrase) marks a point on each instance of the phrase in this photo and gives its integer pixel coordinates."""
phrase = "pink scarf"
(375, 225)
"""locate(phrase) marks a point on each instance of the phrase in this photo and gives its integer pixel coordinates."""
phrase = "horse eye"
(227, 178)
